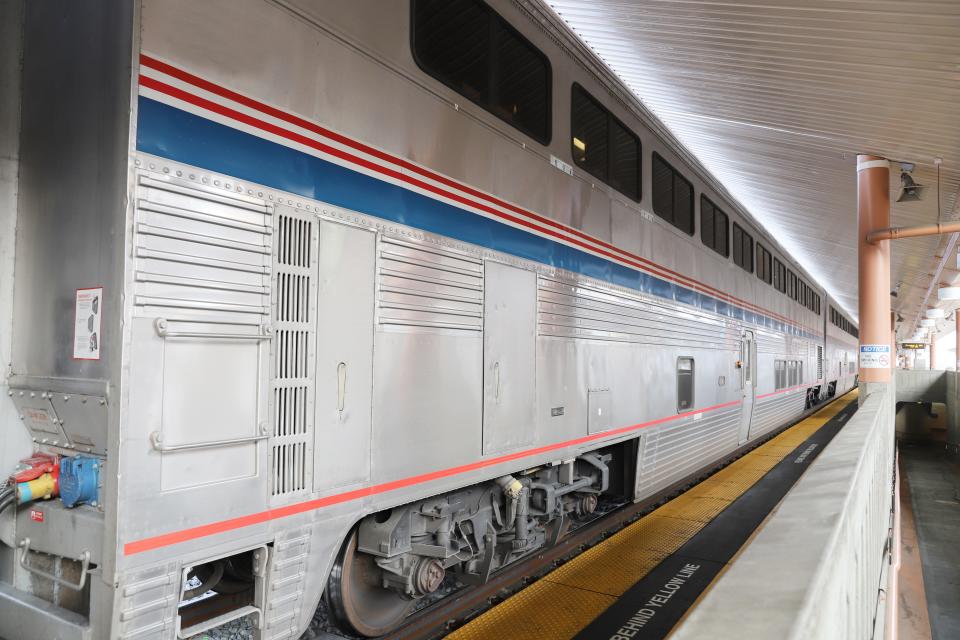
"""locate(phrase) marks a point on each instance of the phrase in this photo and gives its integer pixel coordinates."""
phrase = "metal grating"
(294, 347)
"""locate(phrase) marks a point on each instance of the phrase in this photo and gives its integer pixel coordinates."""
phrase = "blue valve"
(79, 480)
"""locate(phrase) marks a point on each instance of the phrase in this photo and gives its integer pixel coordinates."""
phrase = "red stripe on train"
(202, 531)
(223, 92)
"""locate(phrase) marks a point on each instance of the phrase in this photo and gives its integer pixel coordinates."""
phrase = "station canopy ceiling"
(777, 97)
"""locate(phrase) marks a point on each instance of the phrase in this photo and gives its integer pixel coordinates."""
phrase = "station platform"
(641, 581)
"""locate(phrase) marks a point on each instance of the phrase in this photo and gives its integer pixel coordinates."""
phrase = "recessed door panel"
(345, 304)
(509, 357)
(748, 366)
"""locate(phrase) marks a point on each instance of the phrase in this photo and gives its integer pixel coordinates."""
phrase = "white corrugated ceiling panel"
(776, 98)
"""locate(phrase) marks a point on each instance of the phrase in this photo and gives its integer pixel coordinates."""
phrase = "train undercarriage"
(396, 557)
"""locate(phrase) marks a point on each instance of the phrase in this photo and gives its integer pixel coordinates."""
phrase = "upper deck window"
(714, 227)
(672, 195)
(466, 45)
(603, 146)
(779, 276)
(764, 264)
(742, 248)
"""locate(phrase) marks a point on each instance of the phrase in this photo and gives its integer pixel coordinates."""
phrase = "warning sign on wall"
(874, 356)
(86, 324)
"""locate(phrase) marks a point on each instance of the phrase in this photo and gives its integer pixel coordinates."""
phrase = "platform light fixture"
(948, 293)
(928, 322)
(936, 313)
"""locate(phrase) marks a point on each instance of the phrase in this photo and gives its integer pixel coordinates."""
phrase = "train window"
(685, 373)
(471, 49)
(672, 195)
(781, 273)
(778, 375)
(791, 284)
(624, 160)
(591, 137)
(764, 264)
(714, 227)
(603, 146)
(742, 248)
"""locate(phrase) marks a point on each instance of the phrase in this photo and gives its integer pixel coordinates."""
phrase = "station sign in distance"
(913, 345)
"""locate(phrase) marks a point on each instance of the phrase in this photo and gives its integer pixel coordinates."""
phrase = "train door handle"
(341, 385)
(496, 381)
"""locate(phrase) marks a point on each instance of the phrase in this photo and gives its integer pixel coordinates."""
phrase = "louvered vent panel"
(294, 314)
(202, 254)
(425, 286)
(582, 311)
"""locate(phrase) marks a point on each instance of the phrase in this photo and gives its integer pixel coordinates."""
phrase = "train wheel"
(357, 598)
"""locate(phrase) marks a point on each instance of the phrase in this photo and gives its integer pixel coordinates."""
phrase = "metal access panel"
(599, 407)
(509, 357)
(344, 374)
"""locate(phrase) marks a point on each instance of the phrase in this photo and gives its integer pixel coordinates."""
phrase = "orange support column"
(873, 212)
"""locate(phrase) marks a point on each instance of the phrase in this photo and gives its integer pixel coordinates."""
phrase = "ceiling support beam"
(873, 214)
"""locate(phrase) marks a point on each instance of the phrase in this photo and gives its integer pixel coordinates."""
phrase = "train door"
(509, 357)
(344, 369)
(748, 365)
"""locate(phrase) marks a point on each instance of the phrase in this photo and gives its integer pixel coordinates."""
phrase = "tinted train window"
(714, 225)
(472, 50)
(603, 146)
(779, 276)
(624, 160)
(672, 195)
(742, 248)
(685, 373)
(764, 264)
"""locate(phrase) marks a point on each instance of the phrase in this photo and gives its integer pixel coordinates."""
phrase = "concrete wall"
(928, 386)
(814, 569)
(14, 441)
(953, 412)
(920, 386)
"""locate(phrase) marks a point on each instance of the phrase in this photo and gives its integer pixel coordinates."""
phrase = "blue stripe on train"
(172, 133)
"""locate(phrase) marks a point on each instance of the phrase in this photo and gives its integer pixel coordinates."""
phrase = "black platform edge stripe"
(651, 607)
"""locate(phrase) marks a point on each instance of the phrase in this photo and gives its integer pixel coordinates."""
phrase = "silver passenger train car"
(340, 299)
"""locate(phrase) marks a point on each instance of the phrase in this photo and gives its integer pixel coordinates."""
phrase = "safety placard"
(86, 324)
(874, 356)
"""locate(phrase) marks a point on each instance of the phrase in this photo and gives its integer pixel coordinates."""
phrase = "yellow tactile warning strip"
(564, 601)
